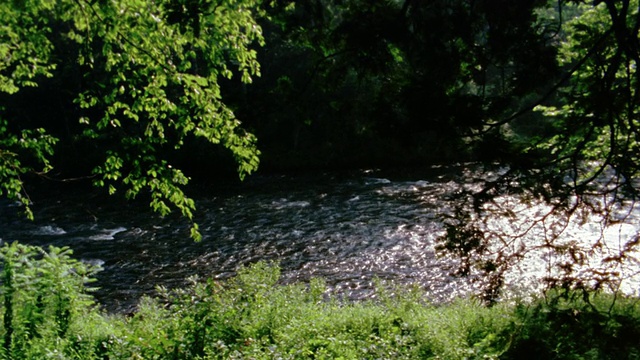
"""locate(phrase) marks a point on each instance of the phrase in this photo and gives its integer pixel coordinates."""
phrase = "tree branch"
(567, 76)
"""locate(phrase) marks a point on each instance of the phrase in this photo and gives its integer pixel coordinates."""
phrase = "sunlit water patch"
(348, 230)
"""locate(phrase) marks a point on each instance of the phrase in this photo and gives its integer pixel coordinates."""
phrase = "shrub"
(48, 313)
(45, 306)
(578, 325)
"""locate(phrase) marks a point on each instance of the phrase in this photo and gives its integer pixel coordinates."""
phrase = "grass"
(47, 313)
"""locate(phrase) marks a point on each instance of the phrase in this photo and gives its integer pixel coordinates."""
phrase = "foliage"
(22, 62)
(142, 78)
(384, 83)
(579, 165)
(123, 86)
(577, 325)
(48, 314)
(46, 308)
(595, 116)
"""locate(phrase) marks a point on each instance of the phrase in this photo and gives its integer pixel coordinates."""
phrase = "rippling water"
(346, 229)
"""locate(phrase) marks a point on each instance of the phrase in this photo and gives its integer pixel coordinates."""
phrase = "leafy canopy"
(150, 79)
(584, 167)
(596, 113)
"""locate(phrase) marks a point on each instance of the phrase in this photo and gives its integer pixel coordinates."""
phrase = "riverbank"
(48, 313)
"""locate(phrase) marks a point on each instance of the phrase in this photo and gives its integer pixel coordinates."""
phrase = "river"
(346, 228)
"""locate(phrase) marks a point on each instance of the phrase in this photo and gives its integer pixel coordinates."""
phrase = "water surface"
(347, 228)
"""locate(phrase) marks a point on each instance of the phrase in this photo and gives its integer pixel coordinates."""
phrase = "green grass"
(47, 313)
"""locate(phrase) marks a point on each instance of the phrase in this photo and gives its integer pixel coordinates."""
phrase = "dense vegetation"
(48, 313)
(130, 94)
(121, 85)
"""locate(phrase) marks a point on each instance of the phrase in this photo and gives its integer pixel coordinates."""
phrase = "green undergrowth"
(48, 312)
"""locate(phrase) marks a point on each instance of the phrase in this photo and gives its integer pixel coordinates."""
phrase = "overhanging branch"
(566, 77)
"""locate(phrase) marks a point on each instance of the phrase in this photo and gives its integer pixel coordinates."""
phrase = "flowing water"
(347, 229)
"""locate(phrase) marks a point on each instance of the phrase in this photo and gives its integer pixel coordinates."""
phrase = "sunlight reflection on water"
(346, 229)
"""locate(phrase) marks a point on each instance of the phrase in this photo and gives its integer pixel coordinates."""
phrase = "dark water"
(348, 229)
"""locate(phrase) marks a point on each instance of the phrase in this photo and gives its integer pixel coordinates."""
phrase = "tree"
(584, 167)
(137, 79)
(375, 83)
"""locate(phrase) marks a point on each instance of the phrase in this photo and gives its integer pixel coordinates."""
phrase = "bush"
(45, 306)
(48, 313)
(577, 325)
